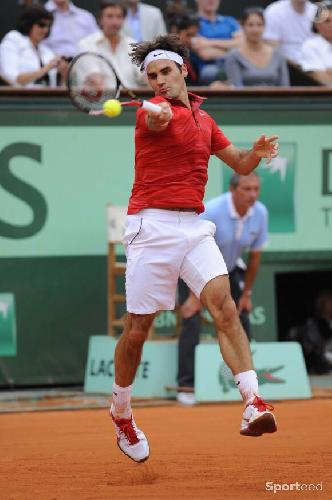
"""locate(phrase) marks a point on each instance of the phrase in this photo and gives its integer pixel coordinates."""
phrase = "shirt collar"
(232, 210)
(50, 5)
(194, 99)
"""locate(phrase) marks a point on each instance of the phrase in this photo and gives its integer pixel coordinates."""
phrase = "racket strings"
(91, 82)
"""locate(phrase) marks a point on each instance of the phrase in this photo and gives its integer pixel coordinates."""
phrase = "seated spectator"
(255, 63)
(186, 27)
(70, 25)
(24, 58)
(316, 55)
(143, 22)
(175, 8)
(288, 25)
(217, 35)
(113, 44)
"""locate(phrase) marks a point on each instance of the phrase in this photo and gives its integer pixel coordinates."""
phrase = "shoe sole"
(265, 424)
(131, 458)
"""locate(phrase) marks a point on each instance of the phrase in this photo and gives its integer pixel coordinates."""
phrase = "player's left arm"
(253, 264)
(245, 161)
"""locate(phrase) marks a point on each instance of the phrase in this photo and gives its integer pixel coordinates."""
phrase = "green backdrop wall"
(59, 169)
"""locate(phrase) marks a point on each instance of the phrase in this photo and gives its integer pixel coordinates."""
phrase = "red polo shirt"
(171, 166)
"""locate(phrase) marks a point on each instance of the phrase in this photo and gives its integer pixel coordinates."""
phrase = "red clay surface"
(195, 453)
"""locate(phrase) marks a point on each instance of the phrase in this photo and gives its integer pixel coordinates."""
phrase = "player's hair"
(258, 11)
(30, 16)
(103, 4)
(166, 42)
(235, 179)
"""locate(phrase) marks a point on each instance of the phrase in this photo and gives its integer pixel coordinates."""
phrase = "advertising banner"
(280, 370)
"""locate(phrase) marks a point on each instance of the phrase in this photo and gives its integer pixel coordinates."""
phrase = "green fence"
(59, 169)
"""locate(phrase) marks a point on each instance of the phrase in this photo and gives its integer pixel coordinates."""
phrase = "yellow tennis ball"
(112, 107)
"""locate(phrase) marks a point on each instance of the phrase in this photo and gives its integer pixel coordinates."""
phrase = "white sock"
(247, 384)
(121, 407)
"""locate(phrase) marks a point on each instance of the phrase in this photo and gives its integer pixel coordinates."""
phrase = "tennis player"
(165, 239)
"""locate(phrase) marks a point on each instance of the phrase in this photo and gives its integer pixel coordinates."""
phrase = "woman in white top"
(317, 51)
(24, 59)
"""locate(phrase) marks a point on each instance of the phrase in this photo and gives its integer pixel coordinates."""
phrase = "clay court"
(195, 453)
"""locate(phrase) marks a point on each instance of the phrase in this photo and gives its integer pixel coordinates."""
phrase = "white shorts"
(161, 246)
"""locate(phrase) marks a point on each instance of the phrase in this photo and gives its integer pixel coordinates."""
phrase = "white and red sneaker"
(258, 418)
(131, 441)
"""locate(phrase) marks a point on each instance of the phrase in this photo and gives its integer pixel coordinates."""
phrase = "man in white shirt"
(288, 24)
(70, 25)
(111, 43)
(316, 56)
(143, 22)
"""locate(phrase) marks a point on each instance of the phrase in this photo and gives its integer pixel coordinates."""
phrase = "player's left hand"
(266, 147)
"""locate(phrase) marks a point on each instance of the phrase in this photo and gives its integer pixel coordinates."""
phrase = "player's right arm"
(158, 121)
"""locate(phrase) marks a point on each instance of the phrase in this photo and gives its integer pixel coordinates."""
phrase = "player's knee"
(227, 314)
(136, 338)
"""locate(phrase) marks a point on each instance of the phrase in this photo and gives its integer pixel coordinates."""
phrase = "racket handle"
(150, 106)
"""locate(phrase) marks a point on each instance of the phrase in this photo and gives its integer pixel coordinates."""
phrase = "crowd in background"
(259, 49)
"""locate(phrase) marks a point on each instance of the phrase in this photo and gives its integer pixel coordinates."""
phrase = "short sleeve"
(234, 25)
(218, 139)
(9, 57)
(262, 237)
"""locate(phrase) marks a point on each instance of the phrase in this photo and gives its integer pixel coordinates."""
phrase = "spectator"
(288, 25)
(174, 9)
(70, 25)
(316, 56)
(113, 44)
(24, 58)
(143, 22)
(241, 224)
(315, 335)
(186, 27)
(255, 63)
(217, 34)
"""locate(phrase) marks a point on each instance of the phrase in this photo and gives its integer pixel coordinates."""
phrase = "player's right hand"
(158, 120)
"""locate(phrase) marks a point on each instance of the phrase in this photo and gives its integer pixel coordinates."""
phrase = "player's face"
(247, 192)
(253, 27)
(111, 20)
(166, 79)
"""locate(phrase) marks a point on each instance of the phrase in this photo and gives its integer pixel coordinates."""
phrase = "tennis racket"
(92, 81)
